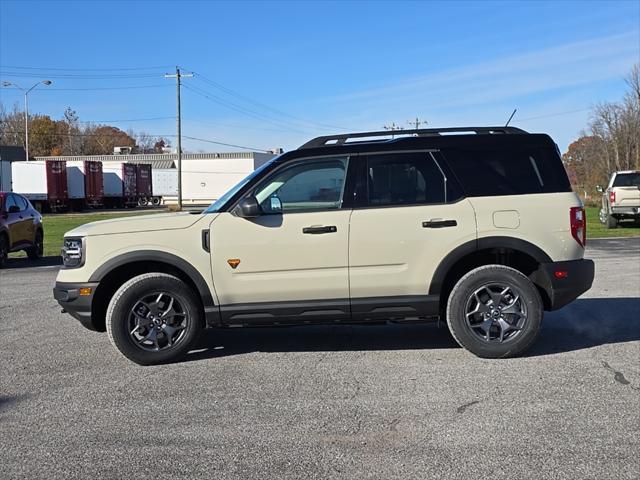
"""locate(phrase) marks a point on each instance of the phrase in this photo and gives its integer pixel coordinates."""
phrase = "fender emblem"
(233, 262)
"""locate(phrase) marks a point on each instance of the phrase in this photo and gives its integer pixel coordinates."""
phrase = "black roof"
(459, 137)
(11, 154)
(343, 138)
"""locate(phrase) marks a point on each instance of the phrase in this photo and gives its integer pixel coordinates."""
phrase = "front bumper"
(563, 288)
(76, 305)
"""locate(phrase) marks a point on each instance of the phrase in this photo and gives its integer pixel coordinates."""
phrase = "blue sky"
(277, 73)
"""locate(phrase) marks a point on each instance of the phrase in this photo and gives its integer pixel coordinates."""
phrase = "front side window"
(404, 179)
(305, 186)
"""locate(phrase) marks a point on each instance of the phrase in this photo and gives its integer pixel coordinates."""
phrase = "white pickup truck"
(621, 199)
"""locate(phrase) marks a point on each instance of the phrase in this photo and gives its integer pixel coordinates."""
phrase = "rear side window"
(404, 179)
(489, 172)
(21, 202)
(627, 180)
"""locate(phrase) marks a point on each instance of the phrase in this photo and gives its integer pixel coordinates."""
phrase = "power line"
(150, 134)
(227, 144)
(554, 114)
(15, 67)
(126, 120)
(130, 87)
(260, 104)
(240, 109)
(77, 76)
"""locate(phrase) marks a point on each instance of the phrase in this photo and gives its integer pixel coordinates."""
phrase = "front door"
(408, 217)
(289, 265)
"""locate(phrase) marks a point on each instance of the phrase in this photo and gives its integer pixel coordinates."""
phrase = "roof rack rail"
(342, 138)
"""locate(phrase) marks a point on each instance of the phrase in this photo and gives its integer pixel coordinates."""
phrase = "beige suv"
(477, 226)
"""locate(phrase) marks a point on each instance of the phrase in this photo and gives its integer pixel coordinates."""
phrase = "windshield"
(218, 204)
(627, 180)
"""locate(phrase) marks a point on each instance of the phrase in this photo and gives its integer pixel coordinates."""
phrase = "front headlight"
(73, 250)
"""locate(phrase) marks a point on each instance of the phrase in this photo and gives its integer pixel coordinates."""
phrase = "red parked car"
(20, 227)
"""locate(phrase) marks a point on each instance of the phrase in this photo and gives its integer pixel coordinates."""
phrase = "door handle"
(206, 242)
(318, 230)
(437, 223)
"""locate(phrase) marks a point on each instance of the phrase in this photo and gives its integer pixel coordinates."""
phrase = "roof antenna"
(514, 112)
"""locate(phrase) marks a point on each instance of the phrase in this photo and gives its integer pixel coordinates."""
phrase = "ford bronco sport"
(621, 199)
(477, 226)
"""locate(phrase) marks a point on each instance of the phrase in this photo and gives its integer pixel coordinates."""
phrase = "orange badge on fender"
(234, 262)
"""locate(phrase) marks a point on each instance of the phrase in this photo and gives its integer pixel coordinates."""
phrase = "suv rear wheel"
(35, 252)
(154, 318)
(494, 311)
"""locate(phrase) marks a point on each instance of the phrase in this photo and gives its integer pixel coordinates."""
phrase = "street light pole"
(26, 110)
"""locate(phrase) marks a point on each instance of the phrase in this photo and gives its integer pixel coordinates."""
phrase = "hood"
(136, 223)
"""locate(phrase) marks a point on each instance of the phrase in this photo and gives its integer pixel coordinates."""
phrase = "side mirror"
(14, 209)
(599, 189)
(249, 207)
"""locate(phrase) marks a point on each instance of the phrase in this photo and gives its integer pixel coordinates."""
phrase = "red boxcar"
(93, 185)
(129, 184)
(144, 186)
(57, 192)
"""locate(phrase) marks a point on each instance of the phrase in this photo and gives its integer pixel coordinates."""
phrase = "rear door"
(15, 221)
(289, 265)
(408, 216)
(27, 218)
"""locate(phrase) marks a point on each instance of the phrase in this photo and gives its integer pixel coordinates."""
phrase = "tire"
(143, 202)
(471, 311)
(602, 216)
(612, 222)
(36, 252)
(155, 201)
(4, 250)
(150, 294)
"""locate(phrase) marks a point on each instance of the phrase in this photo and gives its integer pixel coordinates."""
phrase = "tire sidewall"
(473, 280)
(134, 290)
(4, 250)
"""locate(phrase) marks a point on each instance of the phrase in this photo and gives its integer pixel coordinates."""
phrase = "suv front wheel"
(494, 311)
(154, 318)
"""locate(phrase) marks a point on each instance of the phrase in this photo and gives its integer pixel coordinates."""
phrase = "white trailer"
(164, 182)
(206, 180)
(44, 183)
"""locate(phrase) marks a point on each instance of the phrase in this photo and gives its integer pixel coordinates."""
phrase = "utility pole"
(392, 128)
(417, 122)
(178, 75)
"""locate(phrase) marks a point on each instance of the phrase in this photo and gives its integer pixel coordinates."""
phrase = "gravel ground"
(325, 402)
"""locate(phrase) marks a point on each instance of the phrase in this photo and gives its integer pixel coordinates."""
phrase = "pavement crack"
(618, 376)
(463, 408)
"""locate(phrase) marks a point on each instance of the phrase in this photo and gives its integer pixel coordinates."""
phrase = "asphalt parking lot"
(325, 402)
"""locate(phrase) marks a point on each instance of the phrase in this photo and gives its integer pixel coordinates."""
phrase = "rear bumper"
(76, 305)
(561, 289)
(619, 210)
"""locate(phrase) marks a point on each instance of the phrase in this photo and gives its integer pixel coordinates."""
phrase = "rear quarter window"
(492, 172)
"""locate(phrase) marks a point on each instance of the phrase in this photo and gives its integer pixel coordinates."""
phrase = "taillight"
(612, 197)
(578, 225)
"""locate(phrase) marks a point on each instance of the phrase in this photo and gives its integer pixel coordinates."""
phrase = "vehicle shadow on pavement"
(583, 324)
(24, 262)
(589, 322)
(321, 338)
